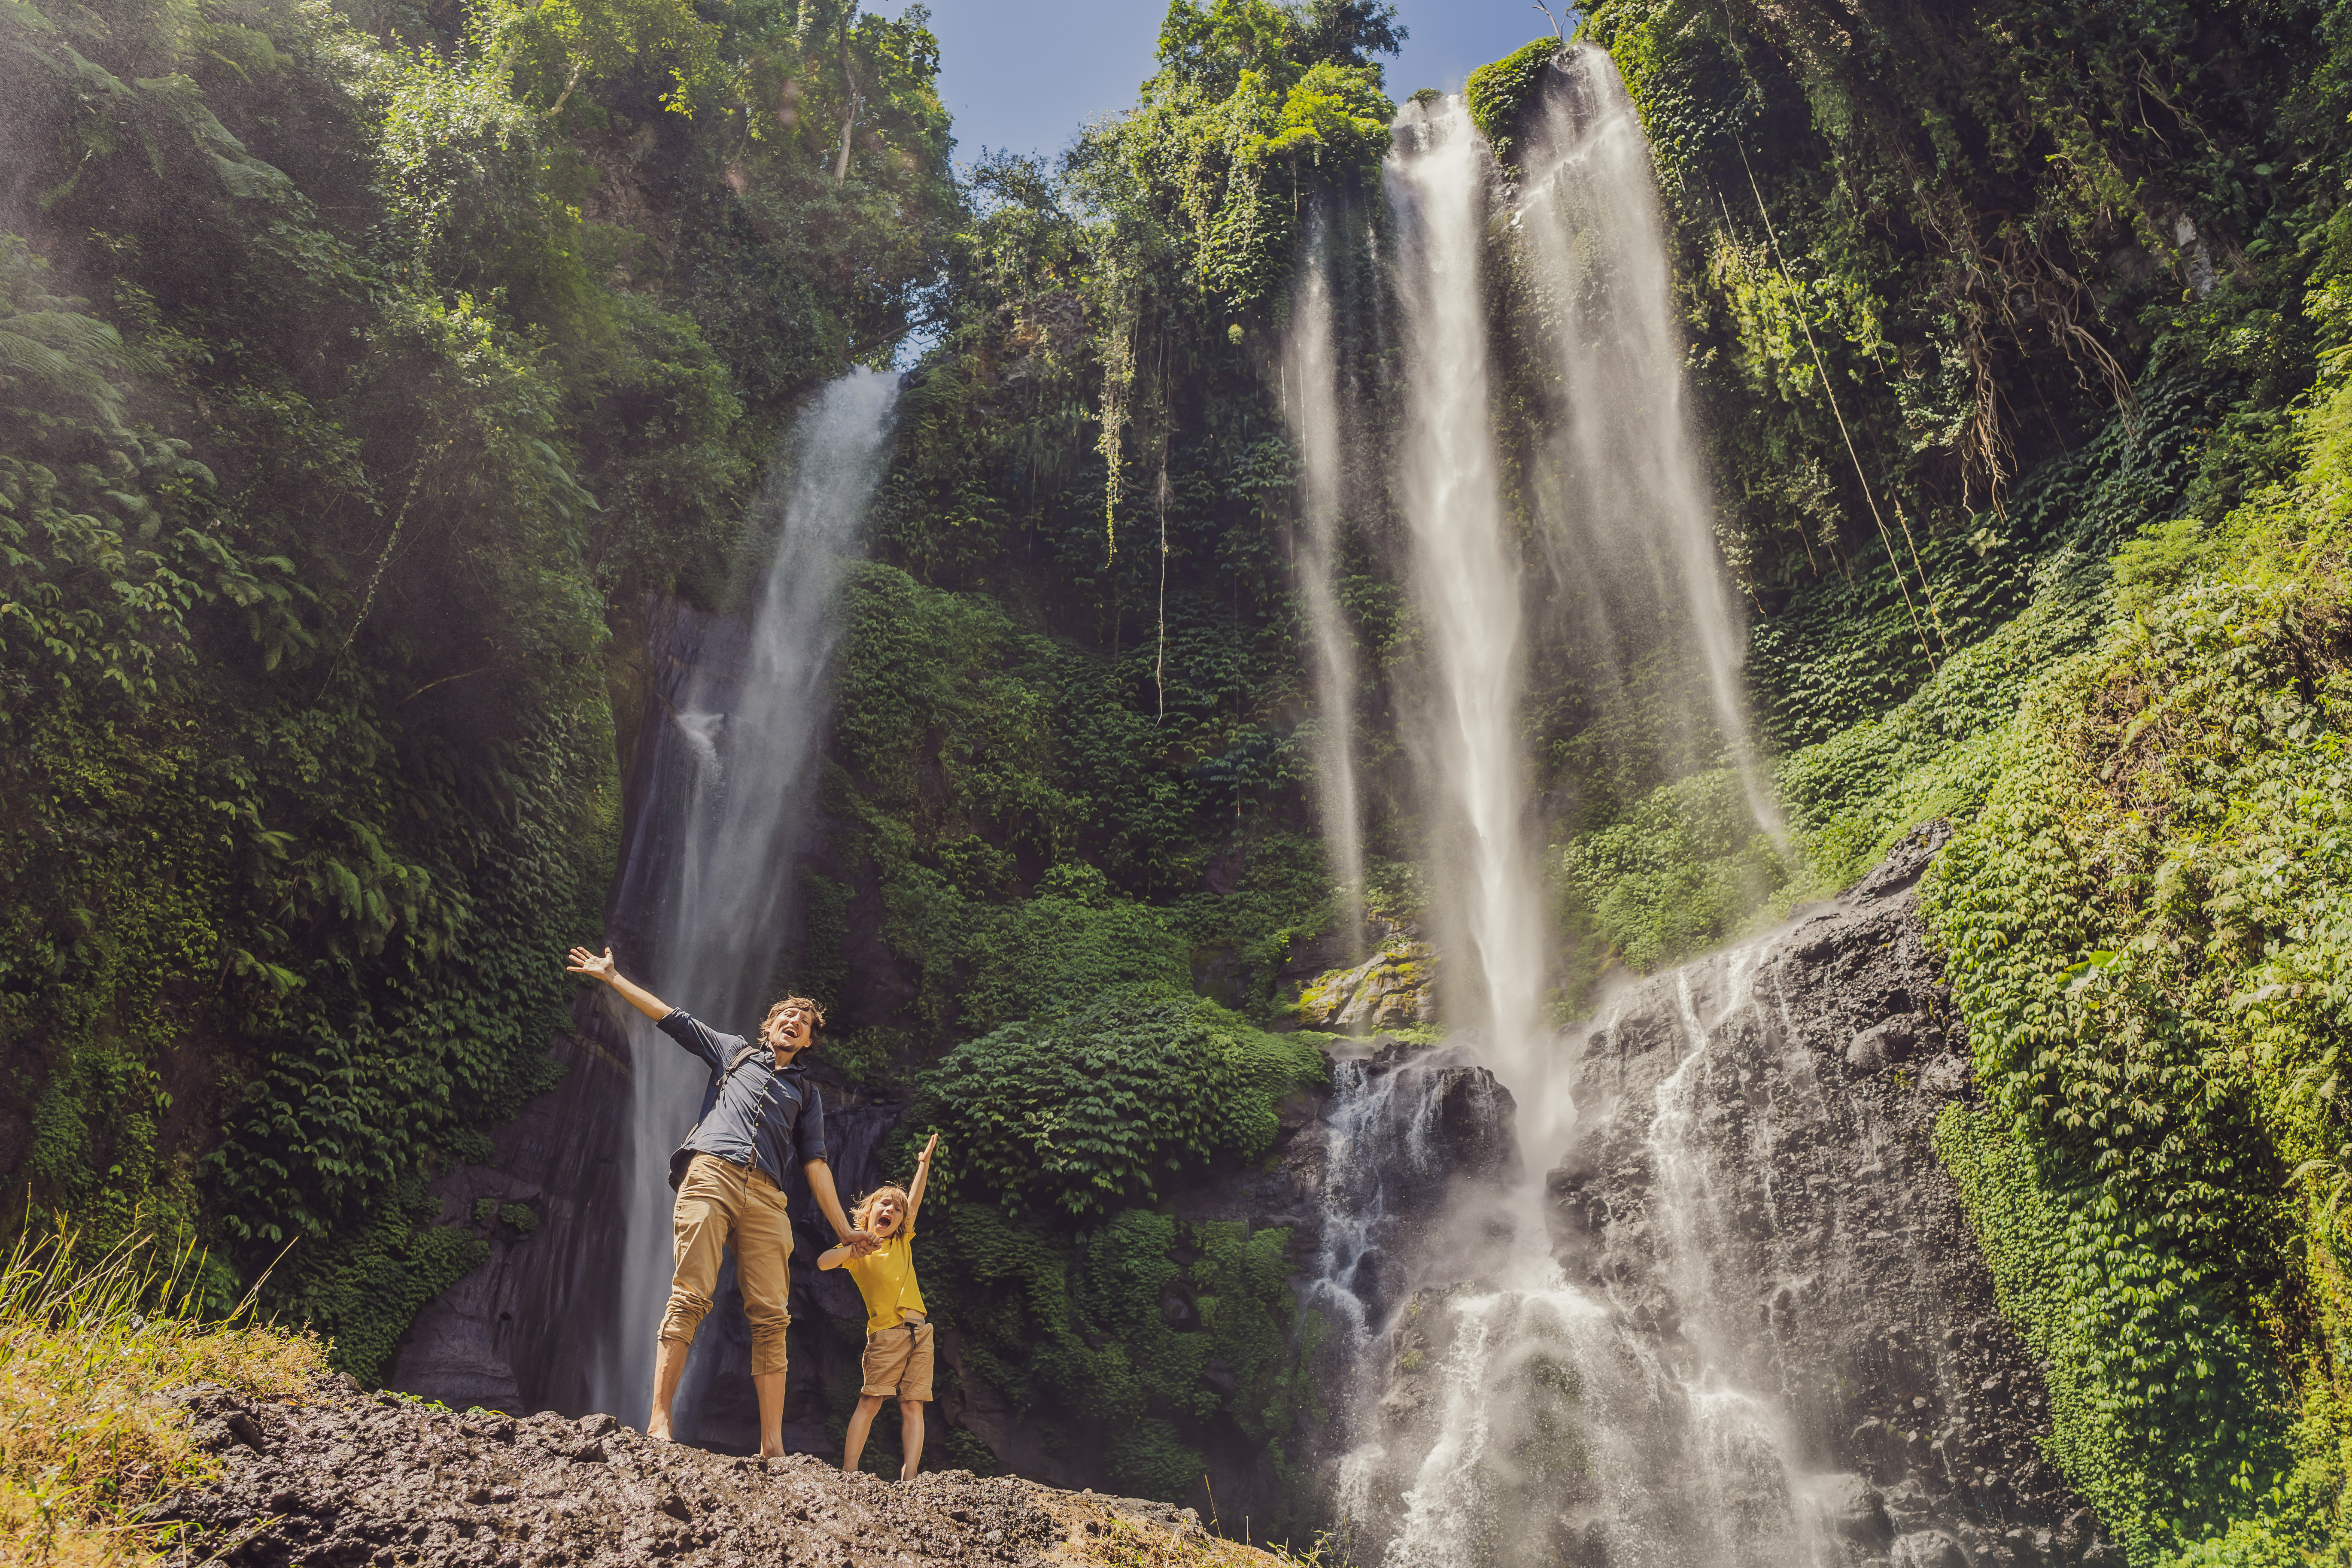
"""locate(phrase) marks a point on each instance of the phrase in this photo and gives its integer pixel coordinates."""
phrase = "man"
(759, 1115)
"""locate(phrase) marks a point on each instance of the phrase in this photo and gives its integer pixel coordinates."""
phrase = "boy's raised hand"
(925, 1157)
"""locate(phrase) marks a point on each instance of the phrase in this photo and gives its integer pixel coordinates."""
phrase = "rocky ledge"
(347, 1478)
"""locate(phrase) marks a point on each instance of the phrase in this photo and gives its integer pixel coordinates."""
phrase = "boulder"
(1395, 987)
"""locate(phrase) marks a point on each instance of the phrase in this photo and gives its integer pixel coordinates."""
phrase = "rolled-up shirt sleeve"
(694, 1035)
(810, 1132)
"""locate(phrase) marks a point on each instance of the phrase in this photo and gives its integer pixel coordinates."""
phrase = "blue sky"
(1026, 74)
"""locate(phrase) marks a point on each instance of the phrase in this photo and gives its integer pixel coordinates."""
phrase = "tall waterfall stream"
(715, 838)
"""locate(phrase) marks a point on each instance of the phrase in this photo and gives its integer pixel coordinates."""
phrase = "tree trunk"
(849, 84)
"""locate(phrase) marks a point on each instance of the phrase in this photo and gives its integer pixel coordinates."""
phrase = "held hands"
(583, 961)
(859, 1243)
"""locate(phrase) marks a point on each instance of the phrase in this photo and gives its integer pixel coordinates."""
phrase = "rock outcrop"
(1395, 987)
(1754, 1182)
(1769, 1336)
(349, 1478)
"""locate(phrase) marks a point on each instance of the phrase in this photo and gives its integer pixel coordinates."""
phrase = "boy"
(759, 1117)
(897, 1332)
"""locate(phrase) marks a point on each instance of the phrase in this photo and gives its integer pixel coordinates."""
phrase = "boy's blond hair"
(866, 1205)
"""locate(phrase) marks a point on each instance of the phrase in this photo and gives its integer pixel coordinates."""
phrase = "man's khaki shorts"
(899, 1363)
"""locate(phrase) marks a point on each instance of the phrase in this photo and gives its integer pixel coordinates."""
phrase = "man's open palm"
(583, 961)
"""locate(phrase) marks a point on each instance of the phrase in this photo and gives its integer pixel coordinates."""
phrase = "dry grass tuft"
(90, 1353)
(1096, 1535)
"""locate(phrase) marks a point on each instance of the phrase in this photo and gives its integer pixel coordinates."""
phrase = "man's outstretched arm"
(586, 962)
(820, 1180)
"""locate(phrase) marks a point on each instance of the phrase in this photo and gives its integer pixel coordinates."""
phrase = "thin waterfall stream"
(708, 878)
(1626, 482)
(1312, 404)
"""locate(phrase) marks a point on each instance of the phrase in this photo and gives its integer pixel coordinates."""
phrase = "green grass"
(90, 1350)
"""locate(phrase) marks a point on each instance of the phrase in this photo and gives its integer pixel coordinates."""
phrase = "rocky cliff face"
(350, 1478)
(1767, 1335)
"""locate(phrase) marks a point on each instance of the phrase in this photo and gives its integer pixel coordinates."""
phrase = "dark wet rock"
(1754, 1145)
(1930, 1549)
(1774, 1339)
(509, 1332)
(1849, 1506)
(355, 1480)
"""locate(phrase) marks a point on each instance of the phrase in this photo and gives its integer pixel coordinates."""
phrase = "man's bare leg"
(670, 1365)
(861, 1421)
(911, 1437)
(770, 1386)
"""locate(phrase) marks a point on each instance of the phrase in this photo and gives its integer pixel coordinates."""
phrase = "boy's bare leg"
(861, 1421)
(670, 1365)
(769, 1385)
(911, 1437)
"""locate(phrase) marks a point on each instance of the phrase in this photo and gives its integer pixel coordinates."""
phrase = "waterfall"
(1625, 486)
(1715, 1333)
(1530, 1419)
(1312, 404)
(1466, 578)
(718, 827)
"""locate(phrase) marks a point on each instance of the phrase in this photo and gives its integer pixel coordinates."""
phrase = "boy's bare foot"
(658, 1431)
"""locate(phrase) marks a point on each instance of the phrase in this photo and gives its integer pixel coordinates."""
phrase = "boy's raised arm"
(922, 1180)
(583, 961)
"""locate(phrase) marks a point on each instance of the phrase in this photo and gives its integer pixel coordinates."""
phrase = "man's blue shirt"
(753, 1116)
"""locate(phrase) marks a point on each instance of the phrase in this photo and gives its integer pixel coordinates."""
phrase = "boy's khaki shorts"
(899, 1363)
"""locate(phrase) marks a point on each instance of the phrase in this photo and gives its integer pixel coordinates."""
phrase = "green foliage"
(1847, 647)
(306, 768)
(1158, 1339)
(2145, 921)
(1678, 873)
(1094, 1109)
(1980, 217)
(1155, 1340)
(1499, 96)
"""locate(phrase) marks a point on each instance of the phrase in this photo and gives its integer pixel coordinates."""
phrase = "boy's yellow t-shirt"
(886, 1277)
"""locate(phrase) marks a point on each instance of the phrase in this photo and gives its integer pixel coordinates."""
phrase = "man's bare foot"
(659, 1431)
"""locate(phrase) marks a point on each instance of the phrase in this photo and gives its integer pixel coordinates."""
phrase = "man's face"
(788, 1033)
(883, 1218)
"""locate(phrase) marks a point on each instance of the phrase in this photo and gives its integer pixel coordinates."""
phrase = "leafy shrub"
(1685, 867)
(1500, 96)
(1082, 1113)
(2145, 922)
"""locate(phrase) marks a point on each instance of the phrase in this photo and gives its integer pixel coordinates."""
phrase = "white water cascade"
(1528, 1418)
(1625, 489)
(723, 825)
(1626, 1412)
(1467, 582)
(1312, 405)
